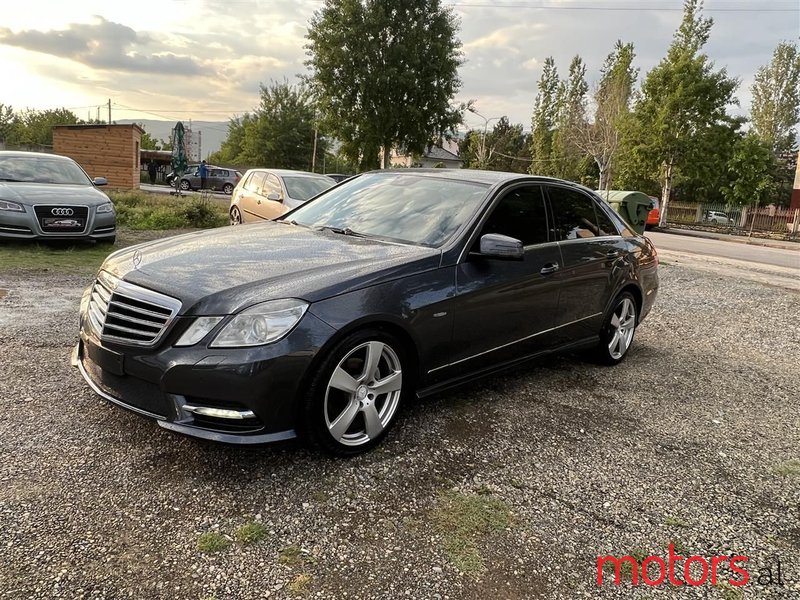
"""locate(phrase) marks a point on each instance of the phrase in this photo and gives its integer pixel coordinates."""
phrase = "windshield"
(303, 188)
(408, 207)
(41, 169)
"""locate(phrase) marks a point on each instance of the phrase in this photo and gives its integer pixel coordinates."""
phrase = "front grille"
(62, 219)
(128, 314)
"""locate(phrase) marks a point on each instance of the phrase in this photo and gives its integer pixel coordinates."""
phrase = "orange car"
(654, 215)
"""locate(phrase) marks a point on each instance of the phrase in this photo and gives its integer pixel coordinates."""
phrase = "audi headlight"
(105, 208)
(261, 324)
(13, 206)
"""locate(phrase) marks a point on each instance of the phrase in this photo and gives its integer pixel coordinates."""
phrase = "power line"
(638, 8)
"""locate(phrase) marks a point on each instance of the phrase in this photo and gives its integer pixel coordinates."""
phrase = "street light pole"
(483, 138)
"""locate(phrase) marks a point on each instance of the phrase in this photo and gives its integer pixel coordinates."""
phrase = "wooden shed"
(110, 151)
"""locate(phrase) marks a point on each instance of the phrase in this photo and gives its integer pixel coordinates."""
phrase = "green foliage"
(681, 109)
(568, 161)
(776, 99)
(545, 114)
(212, 542)
(251, 533)
(139, 210)
(384, 74)
(32, 127)
(462, 520)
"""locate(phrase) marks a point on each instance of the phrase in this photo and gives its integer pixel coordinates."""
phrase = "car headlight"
(13, 206)
(198, 330)
(105, 208)
(261, 324)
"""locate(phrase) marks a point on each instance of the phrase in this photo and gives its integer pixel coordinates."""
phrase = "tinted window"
(271, 184)
(303, 188)
(521, 214)
(607, 227)
(574, 214)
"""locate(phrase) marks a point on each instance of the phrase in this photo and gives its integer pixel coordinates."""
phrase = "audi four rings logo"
(62, 212)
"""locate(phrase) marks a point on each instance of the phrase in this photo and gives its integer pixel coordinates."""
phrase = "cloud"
(102, 45)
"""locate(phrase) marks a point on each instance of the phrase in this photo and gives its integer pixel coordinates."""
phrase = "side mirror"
(274, 196)
(495, 245)
(100, 181)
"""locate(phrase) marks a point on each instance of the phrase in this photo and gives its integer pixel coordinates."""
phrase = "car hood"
(224, 270)
(51, 193)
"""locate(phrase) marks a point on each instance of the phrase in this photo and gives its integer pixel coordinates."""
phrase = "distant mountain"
(209, 134)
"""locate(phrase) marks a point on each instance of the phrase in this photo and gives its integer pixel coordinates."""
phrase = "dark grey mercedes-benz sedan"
(391, 283)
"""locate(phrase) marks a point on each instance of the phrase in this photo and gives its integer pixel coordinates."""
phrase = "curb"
(783, 245)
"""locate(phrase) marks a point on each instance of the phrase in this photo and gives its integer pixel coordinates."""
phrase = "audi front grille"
(125, 313)
(62, 219)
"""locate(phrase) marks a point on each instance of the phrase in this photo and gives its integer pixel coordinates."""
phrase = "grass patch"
(728, 592)
(299, 585)
(675, 522)
(791, 468)
(15, 256)
(251, 533)
(294, 555)
(212, 542)
(462, 519)
(140, 210)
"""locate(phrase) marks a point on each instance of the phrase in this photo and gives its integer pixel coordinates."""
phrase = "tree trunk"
(386, 161)
(666, 190)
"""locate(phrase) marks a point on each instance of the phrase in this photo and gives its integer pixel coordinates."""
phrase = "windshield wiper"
(292, 222)
(343, 231)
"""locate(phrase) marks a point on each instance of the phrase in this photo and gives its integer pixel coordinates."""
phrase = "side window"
(574, 214)
(254, 182)
(607, 226)
(272, 185)
(521, 214)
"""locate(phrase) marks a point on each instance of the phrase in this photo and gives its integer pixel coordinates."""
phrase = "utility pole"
(314, 152)
(109, 111)
(200, 145)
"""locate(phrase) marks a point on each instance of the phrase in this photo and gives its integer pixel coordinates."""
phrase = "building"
(110, 151)
(434, 156)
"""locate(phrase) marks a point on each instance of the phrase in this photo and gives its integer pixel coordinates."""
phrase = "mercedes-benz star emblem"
(137, 259)
(62, 212)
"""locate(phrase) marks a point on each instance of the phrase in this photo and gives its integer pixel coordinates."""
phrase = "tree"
(230, 151)
(776, 99)
(568, 160)
(148, 142)
(384, 74)
(750, 169)
(601, 139)
(7, 119)
(683, 100)
(545, 113)
(35, 127)
(505, 148)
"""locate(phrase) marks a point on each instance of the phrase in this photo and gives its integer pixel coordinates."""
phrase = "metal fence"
(766, 219)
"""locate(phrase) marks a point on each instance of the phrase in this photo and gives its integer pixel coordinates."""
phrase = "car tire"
(185, 185)
(347, 410)
(619, 327)
(227, 189)
(236, 216)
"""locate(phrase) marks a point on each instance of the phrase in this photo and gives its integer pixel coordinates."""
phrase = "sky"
(204, 59)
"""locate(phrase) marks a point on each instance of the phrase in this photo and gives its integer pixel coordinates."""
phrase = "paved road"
(755, 254)
(162, 189)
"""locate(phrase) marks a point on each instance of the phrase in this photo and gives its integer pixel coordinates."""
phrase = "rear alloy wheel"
(617, 334)
(356, 393)
(236, 216)
(185, 185)
(227, 189)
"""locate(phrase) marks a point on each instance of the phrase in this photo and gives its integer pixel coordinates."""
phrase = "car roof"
(288, 172)
(485, 177)
(22, 154)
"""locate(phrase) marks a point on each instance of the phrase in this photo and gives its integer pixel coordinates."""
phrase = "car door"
(249, 196)
(592, 252)
(215, 178)
(270, 208)
(506, 308)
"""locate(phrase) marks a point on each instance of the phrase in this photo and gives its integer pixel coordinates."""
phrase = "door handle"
(612, 253)
(549, 268)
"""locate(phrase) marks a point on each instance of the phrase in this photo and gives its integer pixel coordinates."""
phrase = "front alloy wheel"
(185, 186)
(356, 394)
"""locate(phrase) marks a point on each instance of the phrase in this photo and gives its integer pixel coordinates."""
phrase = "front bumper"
(26, 226)
(235, 396)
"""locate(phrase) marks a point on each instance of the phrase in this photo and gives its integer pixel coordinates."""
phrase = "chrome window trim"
(514, 342)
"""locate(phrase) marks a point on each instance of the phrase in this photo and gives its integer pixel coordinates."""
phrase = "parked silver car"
(45, 196)
(717, 217)
(265, 194)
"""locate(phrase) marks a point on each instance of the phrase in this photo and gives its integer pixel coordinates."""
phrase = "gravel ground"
(510, 488)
